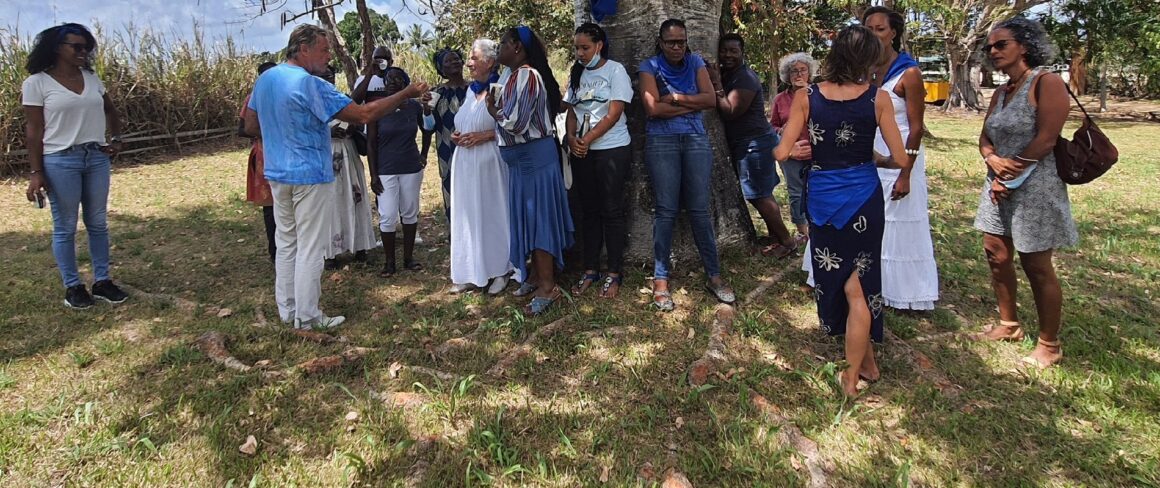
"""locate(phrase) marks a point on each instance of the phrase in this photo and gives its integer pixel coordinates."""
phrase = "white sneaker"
(458, 288)
(498, 285)
(418, 240)
(320, 324)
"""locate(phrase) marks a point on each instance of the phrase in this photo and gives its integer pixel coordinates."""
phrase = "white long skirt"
(351, 226)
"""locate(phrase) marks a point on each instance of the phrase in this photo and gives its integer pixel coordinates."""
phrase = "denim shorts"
(756, 167)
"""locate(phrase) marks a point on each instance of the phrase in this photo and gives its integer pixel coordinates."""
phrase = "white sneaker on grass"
(320, 324)
(498, 285)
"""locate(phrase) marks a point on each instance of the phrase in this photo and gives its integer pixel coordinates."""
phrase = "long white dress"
(351, 226)
(479, 202)
(909, 272)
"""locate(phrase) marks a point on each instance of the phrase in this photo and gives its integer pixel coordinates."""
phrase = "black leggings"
(268, 217)
(600, 179)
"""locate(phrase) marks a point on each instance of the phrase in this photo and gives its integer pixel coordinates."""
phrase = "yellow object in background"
(936, 91)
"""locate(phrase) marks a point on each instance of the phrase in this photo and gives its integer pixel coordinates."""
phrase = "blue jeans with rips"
(78, 177)
(680, 167)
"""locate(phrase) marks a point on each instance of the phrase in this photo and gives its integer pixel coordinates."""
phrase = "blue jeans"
(680, 167)
(795, 170)
(79, 177)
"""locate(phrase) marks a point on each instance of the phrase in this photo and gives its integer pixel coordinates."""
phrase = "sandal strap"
(1055, 343)
(1009, 323)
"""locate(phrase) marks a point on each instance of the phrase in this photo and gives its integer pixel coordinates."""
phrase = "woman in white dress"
(479, 185)
(909, 273)
(352, 230)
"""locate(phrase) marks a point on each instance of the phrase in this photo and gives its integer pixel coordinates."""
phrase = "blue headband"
(525, 33)
(406, 79)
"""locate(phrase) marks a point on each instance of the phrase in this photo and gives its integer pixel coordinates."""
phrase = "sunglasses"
(674, 43)
(1000, 45)
(77, 46)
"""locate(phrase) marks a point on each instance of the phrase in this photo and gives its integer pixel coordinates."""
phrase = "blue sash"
(902, 63)
(834, 196)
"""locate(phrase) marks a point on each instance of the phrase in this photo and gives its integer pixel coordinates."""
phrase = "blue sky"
(218, 18)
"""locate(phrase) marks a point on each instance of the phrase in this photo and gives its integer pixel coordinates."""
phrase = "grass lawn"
(121, 395)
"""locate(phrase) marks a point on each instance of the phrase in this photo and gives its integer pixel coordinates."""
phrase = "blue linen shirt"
(293, 109)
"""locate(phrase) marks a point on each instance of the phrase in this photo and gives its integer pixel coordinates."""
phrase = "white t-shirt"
(598, 87)
(376, 83)
(69, 118)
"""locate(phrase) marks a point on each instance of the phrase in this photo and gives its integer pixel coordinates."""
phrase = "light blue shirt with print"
(293, 109)
(599, 87)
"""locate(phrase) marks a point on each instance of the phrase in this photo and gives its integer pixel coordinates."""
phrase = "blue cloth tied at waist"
(834, 196)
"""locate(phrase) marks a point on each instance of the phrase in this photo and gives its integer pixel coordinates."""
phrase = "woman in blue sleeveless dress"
(843, 195)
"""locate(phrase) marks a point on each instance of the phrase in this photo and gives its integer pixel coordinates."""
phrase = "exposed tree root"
(180, 303)
(509, 359)
(790, 436)
(715, 351)
(329, 363)
(772, 280)
(213, 345)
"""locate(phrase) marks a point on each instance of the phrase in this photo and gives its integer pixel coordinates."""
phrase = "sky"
(217, 18)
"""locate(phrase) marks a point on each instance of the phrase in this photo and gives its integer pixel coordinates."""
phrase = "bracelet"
(33, 171)
(1032, 161)
(912, 152)
(720, 93)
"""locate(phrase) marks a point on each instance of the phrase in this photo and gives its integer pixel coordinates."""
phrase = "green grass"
(119, 396)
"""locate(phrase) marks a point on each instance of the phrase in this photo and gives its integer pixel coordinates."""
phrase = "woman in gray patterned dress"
(1030, 216)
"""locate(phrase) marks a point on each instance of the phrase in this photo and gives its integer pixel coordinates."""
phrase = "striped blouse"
(523, 113)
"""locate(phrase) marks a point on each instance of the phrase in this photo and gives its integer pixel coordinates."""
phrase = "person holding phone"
(68, 113)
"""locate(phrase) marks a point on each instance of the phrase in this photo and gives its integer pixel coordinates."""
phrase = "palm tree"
(418, 37)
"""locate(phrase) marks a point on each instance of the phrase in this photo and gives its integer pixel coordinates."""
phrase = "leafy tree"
(460, 22)
(383, 30)
(418, 37)
(779, 27)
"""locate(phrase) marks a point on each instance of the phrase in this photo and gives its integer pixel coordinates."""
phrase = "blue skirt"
(839, 252)
(538, 210)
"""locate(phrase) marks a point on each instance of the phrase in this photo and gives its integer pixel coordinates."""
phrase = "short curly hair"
(1032, 36)
(785, 65)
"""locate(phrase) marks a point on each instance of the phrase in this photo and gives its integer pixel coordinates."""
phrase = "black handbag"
(360, 139)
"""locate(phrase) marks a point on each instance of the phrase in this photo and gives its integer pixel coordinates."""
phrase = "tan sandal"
(1016, 336)
(1030, 359)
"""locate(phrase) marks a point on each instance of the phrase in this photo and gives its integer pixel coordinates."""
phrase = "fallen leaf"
(225, 312)
(393, 369)
(242, 240)
(250, 447)
(680, 422)
(351, 416)
(795, 462)
(604, 472)
(647, 472)
(692, 333)
(923, 361)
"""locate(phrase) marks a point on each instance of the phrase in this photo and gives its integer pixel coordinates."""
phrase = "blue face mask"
(595, 61)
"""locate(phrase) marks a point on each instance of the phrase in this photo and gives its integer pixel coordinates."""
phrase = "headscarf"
(525, 33)
(902, 63)
(438, 58)
(406, 79)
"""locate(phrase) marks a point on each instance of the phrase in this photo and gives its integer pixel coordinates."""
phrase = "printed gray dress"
(1037, 216)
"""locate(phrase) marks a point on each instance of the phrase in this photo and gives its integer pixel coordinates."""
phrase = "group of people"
(847, 136)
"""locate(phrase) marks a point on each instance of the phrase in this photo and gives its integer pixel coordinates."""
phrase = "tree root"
(180, 303)
(925, 366)
(213, 345)
(509, 359)
(715, 351)
(789, 435)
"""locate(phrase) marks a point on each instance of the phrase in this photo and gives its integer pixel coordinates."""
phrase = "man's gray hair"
(785, 65)
(487, 47)
(303, 35)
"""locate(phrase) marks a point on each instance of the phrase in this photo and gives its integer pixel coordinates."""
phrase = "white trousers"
(300, 212)
(400, 200)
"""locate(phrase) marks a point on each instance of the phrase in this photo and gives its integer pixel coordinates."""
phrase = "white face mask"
(595, 61)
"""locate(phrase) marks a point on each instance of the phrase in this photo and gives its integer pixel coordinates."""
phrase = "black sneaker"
(107, 291)
(77, 297)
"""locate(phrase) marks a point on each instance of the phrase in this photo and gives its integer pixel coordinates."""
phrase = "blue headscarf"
(525, 34)
(481, 86)
(603, 8)
(406, 79)
(438, 58)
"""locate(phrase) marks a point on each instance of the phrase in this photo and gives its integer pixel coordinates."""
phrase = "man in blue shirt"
(290, 109)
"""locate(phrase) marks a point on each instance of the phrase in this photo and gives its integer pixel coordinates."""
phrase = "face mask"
(595, 61)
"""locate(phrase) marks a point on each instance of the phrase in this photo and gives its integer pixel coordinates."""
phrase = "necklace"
(1012, 84)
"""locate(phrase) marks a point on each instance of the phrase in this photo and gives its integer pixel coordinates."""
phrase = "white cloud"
(218, 19)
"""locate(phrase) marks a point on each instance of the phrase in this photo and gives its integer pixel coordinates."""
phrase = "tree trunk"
(963, 93)
(326, 17)
(1103, 86)
(1078, 71)
(368, 35)
(633, 33)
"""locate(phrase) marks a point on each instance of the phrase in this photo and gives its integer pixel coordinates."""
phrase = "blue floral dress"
(844, 202)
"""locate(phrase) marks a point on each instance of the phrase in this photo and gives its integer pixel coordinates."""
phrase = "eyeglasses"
(800, 71)
(77, 46)
(1000, 45)
(674, 43)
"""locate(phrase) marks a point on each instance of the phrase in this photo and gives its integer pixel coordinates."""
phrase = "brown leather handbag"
(1088, 155)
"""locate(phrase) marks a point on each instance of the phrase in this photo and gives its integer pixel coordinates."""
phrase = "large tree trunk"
(963, 93)
(1078, 71)
(325, 14)
(633, 33)
(368, 35)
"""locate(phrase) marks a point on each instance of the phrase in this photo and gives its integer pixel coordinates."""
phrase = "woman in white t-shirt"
(599, 143)
(67, 112)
